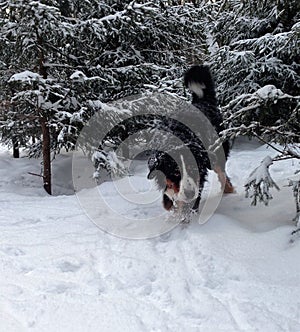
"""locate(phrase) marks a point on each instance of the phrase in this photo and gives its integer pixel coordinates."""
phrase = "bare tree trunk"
(46, 155)
(46, 140)
(16, 151)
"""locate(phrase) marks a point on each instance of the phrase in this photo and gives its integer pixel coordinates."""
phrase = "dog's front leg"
(167, 202)
(195, 208)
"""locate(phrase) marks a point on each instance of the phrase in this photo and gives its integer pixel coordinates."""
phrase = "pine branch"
(259, 183)
(34, 174)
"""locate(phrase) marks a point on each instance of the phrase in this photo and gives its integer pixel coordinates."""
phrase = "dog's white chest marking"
(188, 188)
(171, 194)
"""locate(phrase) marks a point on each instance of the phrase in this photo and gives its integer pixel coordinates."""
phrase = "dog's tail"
(199, 81)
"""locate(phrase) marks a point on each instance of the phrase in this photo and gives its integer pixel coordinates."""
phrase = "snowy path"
(59, 272)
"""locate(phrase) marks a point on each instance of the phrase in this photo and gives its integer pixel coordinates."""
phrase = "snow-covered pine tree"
(35, 66)
(256, 61)
(138, 45)
(257, 45)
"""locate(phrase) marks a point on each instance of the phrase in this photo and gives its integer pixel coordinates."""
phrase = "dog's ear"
(151, 175)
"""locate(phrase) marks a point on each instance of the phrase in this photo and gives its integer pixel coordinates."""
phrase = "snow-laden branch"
(109, 161)
(296, 193)
(259, 183)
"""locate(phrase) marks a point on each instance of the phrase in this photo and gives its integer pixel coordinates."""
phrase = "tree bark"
(46, 155)
(16, 151)
(46, 140)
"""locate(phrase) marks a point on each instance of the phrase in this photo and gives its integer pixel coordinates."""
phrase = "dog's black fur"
(162, 167)
(208, 103)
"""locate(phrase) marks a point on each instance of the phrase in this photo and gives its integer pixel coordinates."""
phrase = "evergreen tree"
(256, 61)
(35, 68)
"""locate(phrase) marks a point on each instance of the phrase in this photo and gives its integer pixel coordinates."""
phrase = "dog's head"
(166, 173)
(162, 166)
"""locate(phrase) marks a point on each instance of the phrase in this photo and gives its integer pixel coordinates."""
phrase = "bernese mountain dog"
(175, 178)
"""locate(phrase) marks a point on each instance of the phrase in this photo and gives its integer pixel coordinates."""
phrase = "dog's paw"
(185, 217)
(194, 212)
(185, 222)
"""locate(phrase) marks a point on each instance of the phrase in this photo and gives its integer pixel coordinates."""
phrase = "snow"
(25, 76)
(78, 75)
(60, 272)
(269, 91)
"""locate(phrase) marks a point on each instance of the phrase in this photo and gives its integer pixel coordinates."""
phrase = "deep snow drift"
(60, 272)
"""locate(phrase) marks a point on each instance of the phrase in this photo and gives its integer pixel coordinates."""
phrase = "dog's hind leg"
(226, 184)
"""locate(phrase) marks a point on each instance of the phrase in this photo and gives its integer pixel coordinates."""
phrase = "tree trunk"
(16, 151)
(46, 140)
(46, 155)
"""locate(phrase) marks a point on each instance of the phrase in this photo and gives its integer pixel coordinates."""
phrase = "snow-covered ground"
(60, 272)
